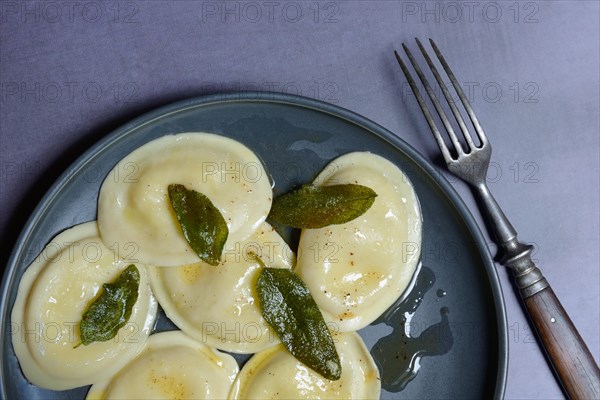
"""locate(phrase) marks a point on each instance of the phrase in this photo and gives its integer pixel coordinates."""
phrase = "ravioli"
(356, 270)
(276, 374)
(134, 211)
(218, 305)
(53, 294)
(171, 366)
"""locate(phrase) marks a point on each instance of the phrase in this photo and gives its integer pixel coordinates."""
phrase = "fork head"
(470, 163)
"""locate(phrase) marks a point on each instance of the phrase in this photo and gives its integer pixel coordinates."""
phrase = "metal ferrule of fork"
(528, 278)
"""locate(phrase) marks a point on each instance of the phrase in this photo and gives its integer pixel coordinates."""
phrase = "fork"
(566, 351)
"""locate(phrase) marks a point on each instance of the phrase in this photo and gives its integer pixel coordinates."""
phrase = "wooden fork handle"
(573, 363)
(567, 353)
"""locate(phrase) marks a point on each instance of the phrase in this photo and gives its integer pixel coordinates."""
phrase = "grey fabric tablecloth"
(70, 72)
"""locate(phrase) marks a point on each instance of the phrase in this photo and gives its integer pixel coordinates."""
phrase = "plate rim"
(277, 98)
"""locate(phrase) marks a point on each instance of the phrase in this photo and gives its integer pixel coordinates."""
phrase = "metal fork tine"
(440, 81)
(434, 100)
(461, 94)
(424, 109)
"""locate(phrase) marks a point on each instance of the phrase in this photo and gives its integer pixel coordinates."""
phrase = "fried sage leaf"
(288, 307)
(111, 310)
(318, 206)
(201, 222)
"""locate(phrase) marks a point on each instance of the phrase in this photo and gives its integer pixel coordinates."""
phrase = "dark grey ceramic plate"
(296, 137)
